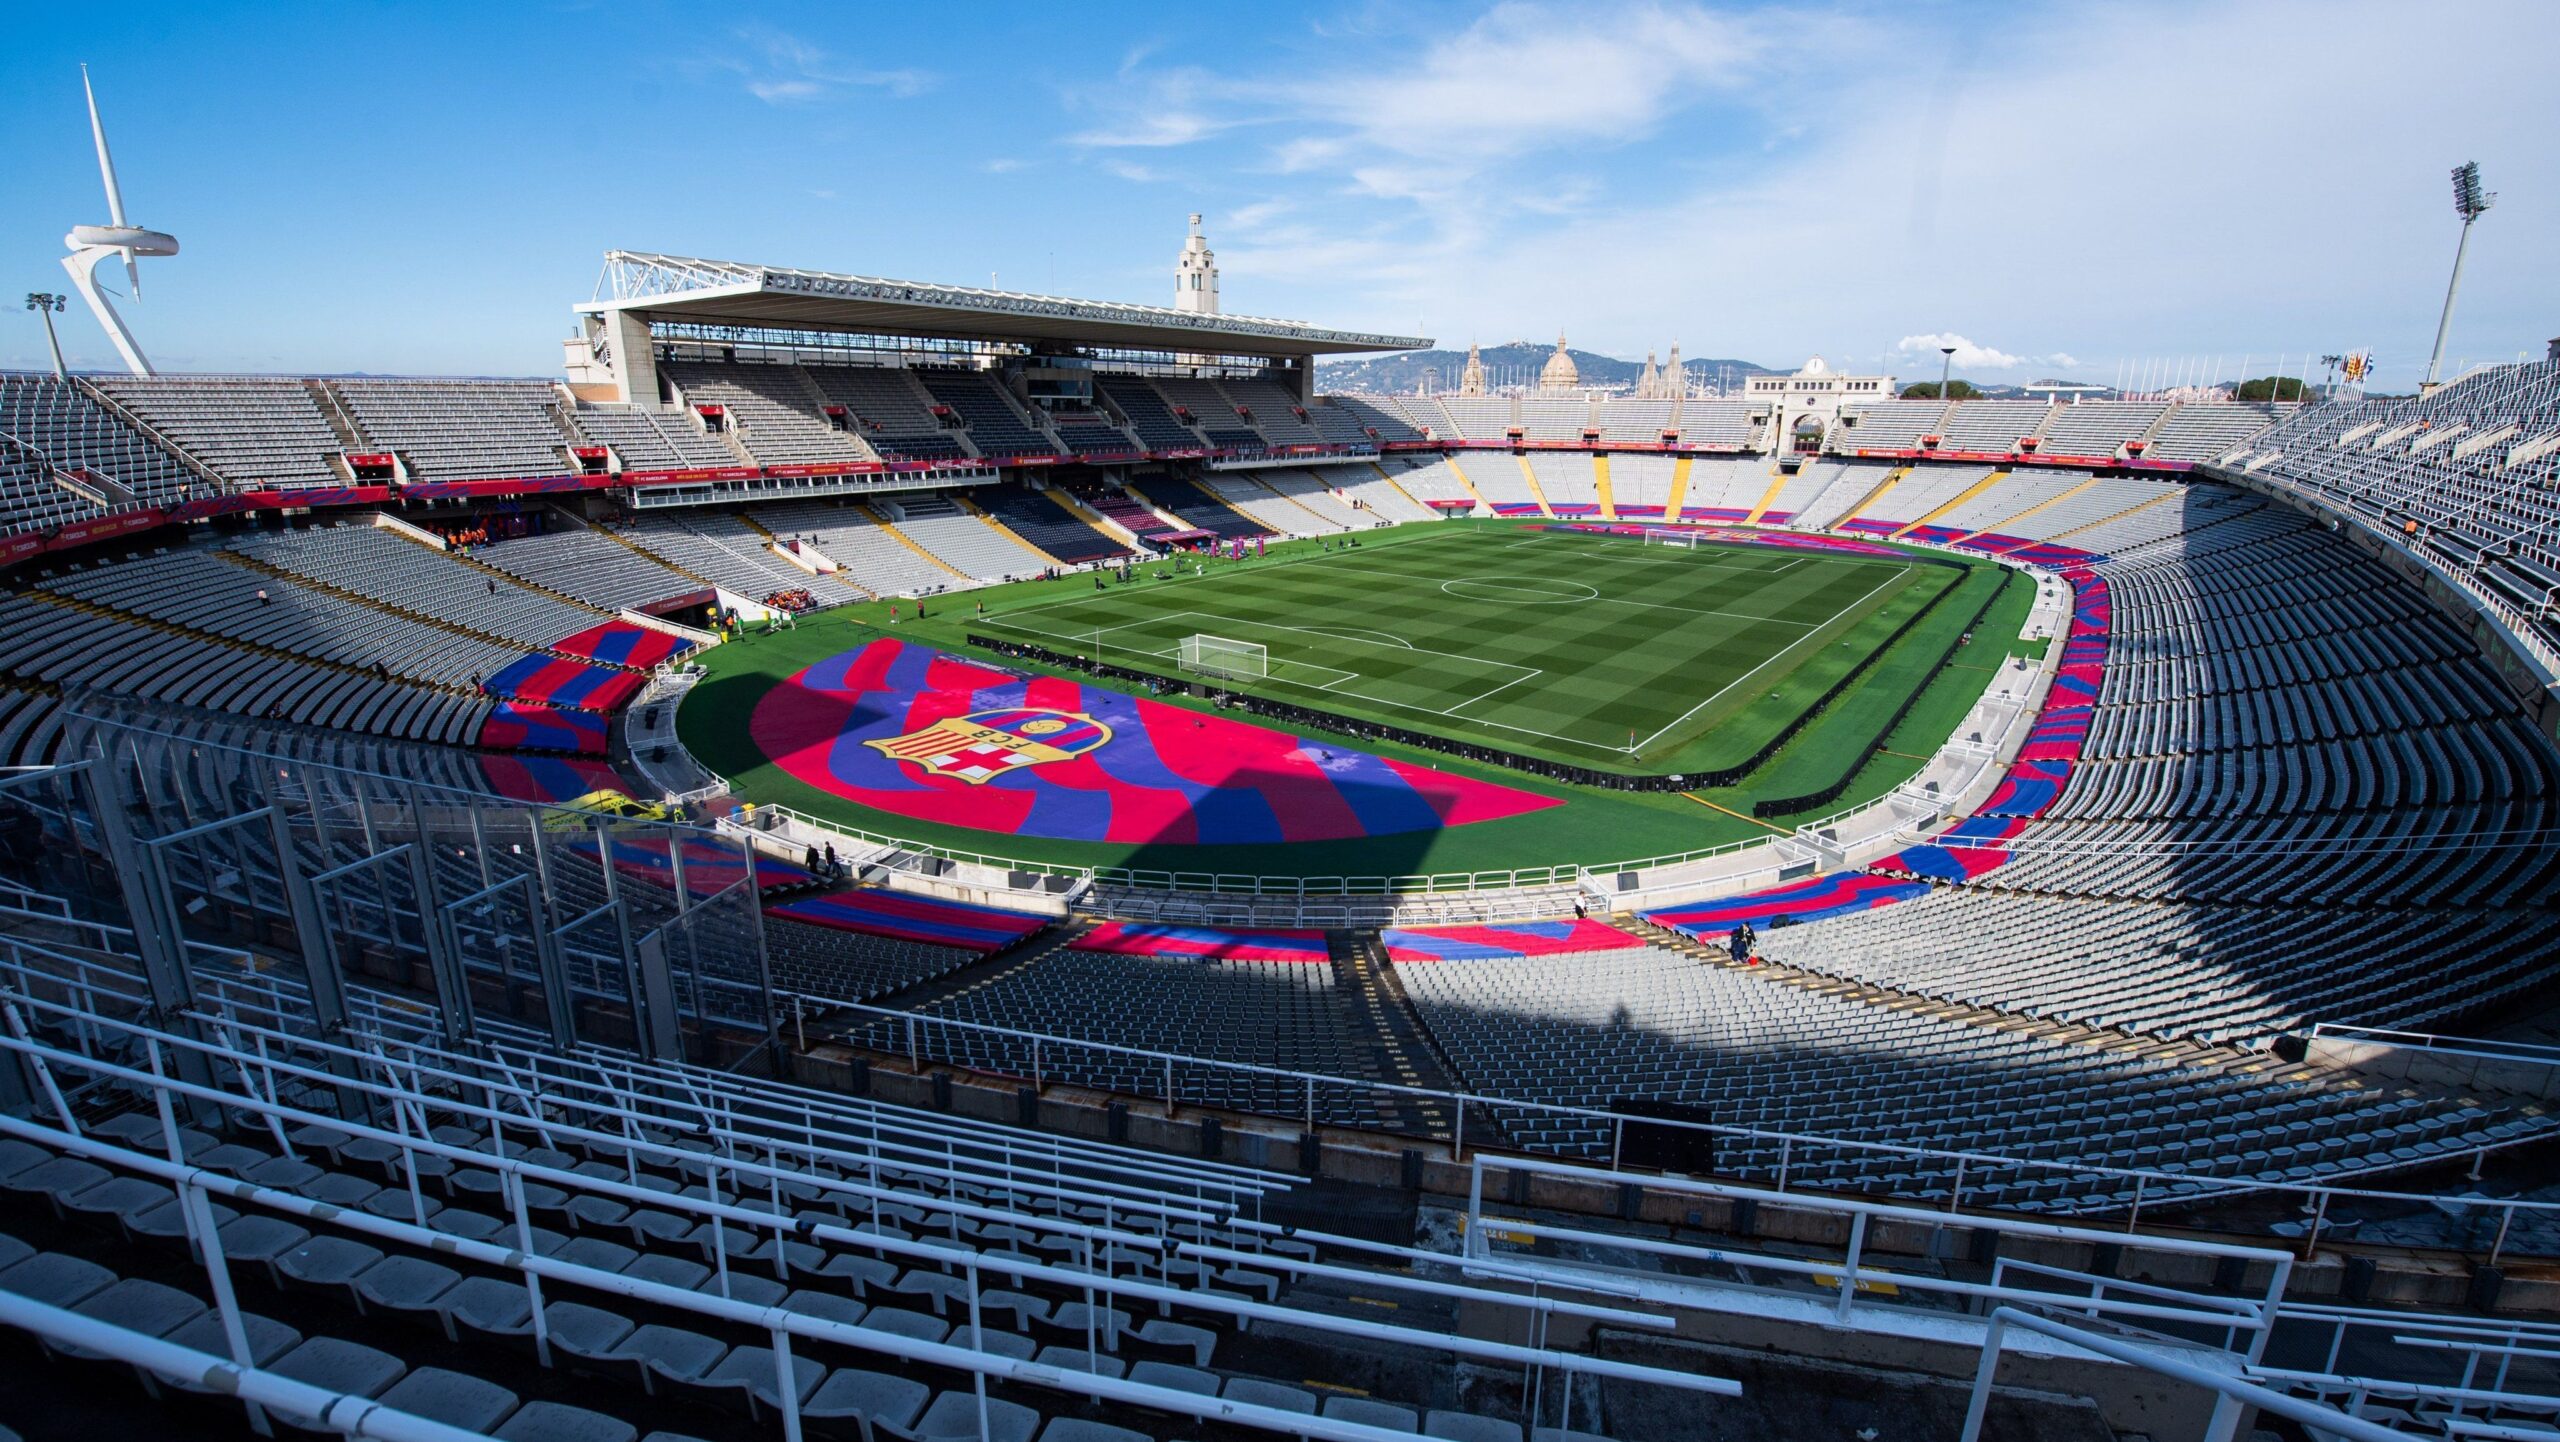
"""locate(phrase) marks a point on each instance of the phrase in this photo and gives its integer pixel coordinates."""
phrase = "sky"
(2056, 189)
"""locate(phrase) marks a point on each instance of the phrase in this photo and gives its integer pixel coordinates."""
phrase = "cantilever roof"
(720, 292)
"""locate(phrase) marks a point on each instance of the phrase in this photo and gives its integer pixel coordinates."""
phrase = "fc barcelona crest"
(982, 746)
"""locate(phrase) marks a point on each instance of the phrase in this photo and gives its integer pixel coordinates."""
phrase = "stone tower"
(1195, 275)
(1471, 380)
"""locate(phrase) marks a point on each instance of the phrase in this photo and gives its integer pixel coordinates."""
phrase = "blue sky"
(2072, 188)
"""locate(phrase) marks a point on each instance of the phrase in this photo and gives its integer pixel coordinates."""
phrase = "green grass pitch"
(1596, 650)
(1482, 631)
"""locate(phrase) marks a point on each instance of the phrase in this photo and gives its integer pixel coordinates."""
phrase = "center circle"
(1519, 590)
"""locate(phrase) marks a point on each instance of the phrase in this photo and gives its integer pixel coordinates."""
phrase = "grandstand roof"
(720, 292)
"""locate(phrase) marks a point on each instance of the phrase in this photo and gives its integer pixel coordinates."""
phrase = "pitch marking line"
(1756, 670)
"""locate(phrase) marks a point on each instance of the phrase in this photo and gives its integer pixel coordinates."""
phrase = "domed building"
(1560, 374)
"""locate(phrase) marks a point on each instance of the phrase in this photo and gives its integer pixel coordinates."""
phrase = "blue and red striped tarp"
(1808, 900)
(525, 726)
(548, 778)
(877, 912)
(551, 681)
(920, 733)
(1132, 938)
(1502, 943)
(619, 643)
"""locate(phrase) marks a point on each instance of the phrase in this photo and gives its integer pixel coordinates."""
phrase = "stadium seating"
(1712, 422)
(1204, 511)
(1430, 481)
(1375, 497)
(2201, 431)
(728, 552)
(252, 431)
(995, 426)
(1887, 426)
(1212, 411)
(2099, 428)
(963, 540)
(588, 566)
(1994, 426)
(56, 423)
(847, 534)
(773, 411)
(649, 439)
(894, 413)
(29, 496)
(1311, 493)
(1157, 427)
(400, 573)
(1245, 493)
(1275, 411)
(450, 430)
(1045, 522)
(1786, 1059)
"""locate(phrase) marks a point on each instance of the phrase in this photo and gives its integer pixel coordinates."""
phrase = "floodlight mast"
(2469, 202)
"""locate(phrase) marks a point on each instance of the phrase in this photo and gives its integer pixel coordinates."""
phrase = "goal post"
(1228, 660)
(1688, 540)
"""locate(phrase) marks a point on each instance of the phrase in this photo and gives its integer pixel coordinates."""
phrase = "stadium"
(887, 858)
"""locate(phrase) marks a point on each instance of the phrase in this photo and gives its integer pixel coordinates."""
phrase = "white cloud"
(1002, 165)
(780, 68)
(1968, 356)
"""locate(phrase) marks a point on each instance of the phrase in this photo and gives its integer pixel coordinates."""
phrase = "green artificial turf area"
(1545, 643)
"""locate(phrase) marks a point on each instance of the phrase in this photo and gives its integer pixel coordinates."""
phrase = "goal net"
(1687, 540)
(1230, 660)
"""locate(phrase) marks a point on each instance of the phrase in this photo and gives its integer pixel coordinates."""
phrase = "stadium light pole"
(2469, 202)
(45, 303)
(1946, 366)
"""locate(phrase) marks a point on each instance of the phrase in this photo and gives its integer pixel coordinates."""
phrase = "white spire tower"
(92, 244)
(1195, 275)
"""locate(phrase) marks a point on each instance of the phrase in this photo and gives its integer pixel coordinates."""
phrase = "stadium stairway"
(1679, 489)
(1406, 1054)
(1529, 478)
(1997, 475)
(1483, 507)
(1768, 498)
(1600, 487)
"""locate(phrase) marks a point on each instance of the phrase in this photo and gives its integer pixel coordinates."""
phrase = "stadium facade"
(401, 1016)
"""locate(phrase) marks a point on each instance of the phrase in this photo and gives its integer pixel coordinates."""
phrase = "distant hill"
(1513, 363)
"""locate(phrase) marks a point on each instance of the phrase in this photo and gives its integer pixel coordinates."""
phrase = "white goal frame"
(1686, 540)
(1227, 659)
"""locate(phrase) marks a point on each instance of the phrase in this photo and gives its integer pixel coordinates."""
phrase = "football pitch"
(1595, 650)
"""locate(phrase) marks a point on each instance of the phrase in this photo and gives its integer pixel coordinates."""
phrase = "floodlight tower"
(2469, 202)
(92, 244)
(1946, 367)
(44, 303)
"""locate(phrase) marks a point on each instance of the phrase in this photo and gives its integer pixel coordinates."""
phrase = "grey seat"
(669, 1353)
(452, 1398)
(1278, 1396)
(259, 1238)
(58, 1179)
(56, 1280)
(117, 1197)
(327, 1262)
(486, 1305)
(598, 1253)
(865, 1398)
(13, 1251)
(559, 1422)
(903, 1323)
(943, 1294)
(1100, 1364)
(681, 1273)
(335, 1365)
(146, 1307)
(168, 1221)
(1200, 1342)
(749, 1370)
(1175, 1378)
(1078, 1429)
(953, 1417)
(866, 1273)
(1564, 1434)
(1468, 1427)
(268, 1339)
(584, 1331)
(1370, 1412)
(834, 1306)
(405, 1284)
